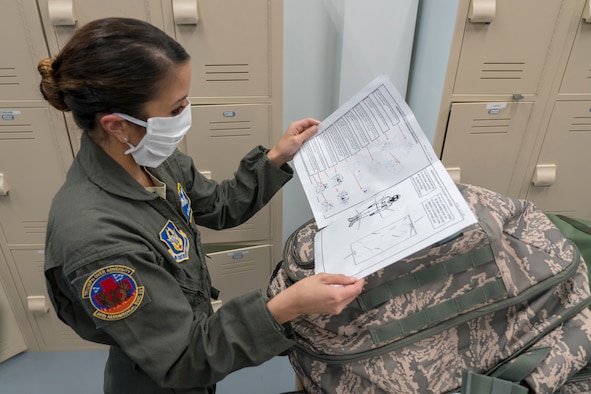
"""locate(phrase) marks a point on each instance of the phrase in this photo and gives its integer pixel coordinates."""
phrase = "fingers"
(307, 122)
(304, 126)
(345, 289)
(321, 293)
(309, 132)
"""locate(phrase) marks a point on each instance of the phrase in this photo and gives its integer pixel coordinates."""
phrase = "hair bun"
(49, 86)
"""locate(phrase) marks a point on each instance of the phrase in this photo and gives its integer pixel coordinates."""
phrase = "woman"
(124, 262)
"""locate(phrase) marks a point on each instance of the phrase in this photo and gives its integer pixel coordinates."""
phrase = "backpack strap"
(438, 313)
(506, 378)
(380, 294)
(473, 383)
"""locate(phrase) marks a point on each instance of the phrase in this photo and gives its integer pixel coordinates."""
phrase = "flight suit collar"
(107, 174)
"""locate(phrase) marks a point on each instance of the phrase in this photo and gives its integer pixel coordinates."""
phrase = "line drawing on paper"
(382, 240)
(377, 207)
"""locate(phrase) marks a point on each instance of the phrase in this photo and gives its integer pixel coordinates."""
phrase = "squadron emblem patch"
(176, 240)
(113, 292)
(185, 203)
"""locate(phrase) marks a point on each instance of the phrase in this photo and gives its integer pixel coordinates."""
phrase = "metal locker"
(51, 333)
(505, 53)
(219, 137)
(483, 141)
(22, 46)
(12, 341)
(577, 76)
(566, 147)
(229, 43)
(62, 17)
(240, 270)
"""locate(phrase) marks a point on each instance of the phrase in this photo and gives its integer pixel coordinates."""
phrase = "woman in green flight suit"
(124, 262)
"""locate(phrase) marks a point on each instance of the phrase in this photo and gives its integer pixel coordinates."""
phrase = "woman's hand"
(321, 293)
(292, 140)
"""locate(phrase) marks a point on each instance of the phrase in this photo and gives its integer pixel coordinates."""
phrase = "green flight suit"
(125, 268)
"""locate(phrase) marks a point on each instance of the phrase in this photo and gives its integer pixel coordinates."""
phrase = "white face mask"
(163, 135)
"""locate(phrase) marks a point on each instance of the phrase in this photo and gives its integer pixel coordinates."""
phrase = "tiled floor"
(82, 372)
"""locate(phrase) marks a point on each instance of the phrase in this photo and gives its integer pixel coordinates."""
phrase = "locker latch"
(3, 185)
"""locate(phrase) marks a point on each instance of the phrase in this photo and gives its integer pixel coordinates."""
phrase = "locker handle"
(455, 174)
(185, 12)
(37, 304)
(3, 185)
(482, 11)
(544, 175)
(61, 12)
(587, 12)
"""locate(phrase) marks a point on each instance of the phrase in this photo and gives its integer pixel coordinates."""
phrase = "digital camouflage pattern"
(534, 292)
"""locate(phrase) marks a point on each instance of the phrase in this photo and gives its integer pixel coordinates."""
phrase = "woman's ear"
(115, 126)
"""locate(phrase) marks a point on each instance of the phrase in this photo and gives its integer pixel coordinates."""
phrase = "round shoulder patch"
(113, 292)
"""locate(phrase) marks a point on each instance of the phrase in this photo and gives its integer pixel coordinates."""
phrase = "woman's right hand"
(320, 293)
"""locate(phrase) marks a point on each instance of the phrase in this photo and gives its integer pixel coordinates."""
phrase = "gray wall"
(332, 48)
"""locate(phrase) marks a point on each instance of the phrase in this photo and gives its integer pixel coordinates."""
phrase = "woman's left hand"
(291, 141)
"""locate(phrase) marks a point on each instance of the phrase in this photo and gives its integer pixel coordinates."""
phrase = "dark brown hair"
(109, 65)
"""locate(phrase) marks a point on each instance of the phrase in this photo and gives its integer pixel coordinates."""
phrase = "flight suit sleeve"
(231, 202)
(148, 315)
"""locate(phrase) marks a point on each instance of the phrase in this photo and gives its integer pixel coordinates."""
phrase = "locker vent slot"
(502, 71)
(15, 132)
(580, 124)
(8, 76)
(227, 72)
(490, 126)
(236, 128)
(238, 267)
(34, 227)
(243, 228)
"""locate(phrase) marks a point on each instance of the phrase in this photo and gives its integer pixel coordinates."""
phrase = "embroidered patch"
(185, 203)
(113, 292)
(176, 240)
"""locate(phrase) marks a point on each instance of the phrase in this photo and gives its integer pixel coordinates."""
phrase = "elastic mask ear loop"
(132, 119)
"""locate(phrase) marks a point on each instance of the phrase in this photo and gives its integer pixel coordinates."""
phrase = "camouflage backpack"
(500, 308)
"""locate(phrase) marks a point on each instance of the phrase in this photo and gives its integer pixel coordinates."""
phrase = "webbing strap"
(385, 291)
(578, 224)
(505, 380)
(473, 383)
(522, 366)
(437, 313)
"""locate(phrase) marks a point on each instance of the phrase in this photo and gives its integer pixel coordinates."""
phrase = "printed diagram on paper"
(375, 185)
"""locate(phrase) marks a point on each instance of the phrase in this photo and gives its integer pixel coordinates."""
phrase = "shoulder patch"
(176, 240)
(113, 292)
(185, 203)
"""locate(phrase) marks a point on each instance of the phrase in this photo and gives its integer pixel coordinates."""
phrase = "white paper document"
(375, 185)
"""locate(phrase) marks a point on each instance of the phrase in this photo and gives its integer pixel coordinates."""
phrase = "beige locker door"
(484, 140)
(507, 55)
(49, 330)
(577, 77)
(22, 46)
(12, 341)
(566, 145)
(237, 271)
(229, 47)
(35, 155)
(219, 137)
(60, 18)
